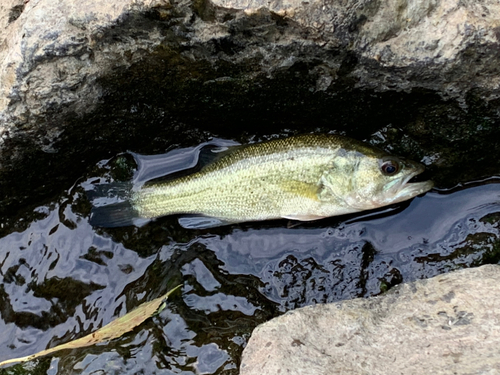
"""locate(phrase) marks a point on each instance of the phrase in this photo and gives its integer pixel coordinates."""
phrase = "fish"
(304, 178)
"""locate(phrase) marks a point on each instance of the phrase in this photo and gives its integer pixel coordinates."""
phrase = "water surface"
(62, 279)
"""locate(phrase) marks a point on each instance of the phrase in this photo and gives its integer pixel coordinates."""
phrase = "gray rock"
(445, 325)
(50, 60)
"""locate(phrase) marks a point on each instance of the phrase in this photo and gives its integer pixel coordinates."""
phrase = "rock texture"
(445, 325)
(87, 78)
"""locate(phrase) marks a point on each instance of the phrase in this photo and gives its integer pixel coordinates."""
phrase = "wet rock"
(80, 80)
(444, 325)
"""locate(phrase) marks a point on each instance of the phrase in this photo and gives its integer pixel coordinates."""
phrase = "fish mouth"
(407, 189)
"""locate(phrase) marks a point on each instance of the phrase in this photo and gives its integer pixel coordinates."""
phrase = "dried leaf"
(113, 330)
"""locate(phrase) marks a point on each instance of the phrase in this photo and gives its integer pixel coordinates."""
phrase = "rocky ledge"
(82, 80)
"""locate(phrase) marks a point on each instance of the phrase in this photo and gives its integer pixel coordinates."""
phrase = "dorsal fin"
(211, 153)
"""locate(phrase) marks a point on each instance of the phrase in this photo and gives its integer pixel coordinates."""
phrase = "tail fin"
(114, 215)
(111, 207)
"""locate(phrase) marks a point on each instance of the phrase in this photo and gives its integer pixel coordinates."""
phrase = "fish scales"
(255, 181)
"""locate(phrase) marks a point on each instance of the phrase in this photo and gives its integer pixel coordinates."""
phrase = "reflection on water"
(62, 279)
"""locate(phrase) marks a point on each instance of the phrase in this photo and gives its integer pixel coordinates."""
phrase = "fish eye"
(390, 167)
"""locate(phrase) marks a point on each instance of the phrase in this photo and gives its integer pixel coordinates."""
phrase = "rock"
(82, 80)
(445, 325)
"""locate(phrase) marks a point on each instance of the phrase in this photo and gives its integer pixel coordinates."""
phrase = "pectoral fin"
(300, 189)
(303, 190)
(325, 194)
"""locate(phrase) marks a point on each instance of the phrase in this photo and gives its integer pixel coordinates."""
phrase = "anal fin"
(202, 222)
(303, 217)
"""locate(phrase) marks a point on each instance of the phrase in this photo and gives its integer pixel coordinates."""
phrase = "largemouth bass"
(303, 178)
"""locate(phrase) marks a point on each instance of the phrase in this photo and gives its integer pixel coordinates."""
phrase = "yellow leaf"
(113, 330)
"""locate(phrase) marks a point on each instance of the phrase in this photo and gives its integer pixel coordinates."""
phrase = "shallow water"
(62, 279)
